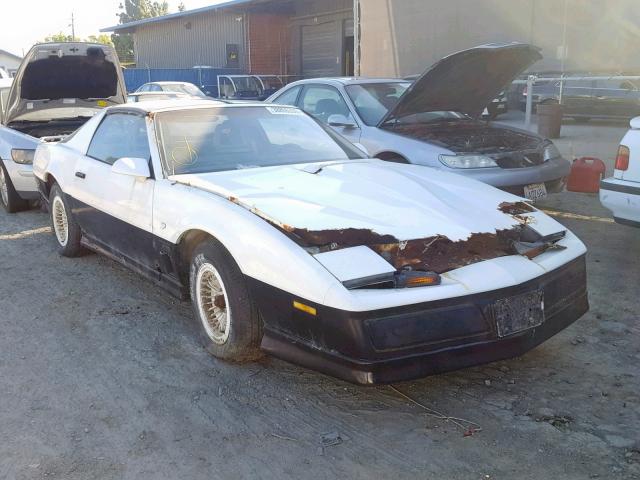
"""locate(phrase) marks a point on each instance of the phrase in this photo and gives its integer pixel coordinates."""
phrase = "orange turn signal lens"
(422, 281)
(622, 159)
(305, 308)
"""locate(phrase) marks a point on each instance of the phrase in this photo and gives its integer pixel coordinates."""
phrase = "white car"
(58, 87)
(287, 238)
(185, 88)
(621, 193)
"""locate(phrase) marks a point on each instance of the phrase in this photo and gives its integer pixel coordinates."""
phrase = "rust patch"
(438, 254)
(515, 208)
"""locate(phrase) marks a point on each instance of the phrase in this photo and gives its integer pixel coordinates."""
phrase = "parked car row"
(583, 100)
(289, 238)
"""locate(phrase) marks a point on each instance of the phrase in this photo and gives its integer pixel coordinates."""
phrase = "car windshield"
(187, 88)
(231, 138)
(374, 100)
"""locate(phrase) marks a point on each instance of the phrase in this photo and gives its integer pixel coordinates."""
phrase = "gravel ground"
(102, 378)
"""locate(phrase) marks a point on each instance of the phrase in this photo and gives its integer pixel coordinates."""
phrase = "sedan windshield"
(187, 88)
(232, 138)
(374, 100)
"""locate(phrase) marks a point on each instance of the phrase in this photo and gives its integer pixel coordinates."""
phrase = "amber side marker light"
(410, 279)
(622, 159)
(305, 308)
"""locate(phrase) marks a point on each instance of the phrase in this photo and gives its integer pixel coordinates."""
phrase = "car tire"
(66, 231)
(229, 319)
(9, 198)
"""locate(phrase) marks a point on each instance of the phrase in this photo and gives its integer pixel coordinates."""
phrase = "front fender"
(260, 250)
(10, 138)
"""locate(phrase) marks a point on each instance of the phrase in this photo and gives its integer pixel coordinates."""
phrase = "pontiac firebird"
(289, 240)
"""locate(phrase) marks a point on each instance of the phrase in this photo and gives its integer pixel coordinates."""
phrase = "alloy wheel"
(213, 304)
(60, 221)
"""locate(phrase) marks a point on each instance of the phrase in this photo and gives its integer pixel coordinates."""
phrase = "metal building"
(313, 38)
(295, 37)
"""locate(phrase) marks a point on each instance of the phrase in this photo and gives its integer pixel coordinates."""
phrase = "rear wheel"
(221, 302)
(9, 198)
(66, 230)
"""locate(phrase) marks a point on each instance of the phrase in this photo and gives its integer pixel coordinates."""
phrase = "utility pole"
(73, 28)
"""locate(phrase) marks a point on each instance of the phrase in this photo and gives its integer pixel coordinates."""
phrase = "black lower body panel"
(414, 341)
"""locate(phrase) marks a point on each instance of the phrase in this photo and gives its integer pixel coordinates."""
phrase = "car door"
(324, 101)
(115, 210)
(577, 97)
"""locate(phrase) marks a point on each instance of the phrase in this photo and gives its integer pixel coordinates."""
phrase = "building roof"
(172, 16)
(9, 54)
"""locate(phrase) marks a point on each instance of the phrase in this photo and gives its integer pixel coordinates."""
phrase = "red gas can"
(585, 175)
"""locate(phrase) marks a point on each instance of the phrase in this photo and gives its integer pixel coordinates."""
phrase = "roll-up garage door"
(320, 50)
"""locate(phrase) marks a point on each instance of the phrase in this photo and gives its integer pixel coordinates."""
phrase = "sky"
(24, 22)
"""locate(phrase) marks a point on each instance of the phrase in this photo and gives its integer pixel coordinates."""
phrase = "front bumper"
(413, 341)
(552, 173)
(623, 199)
(22, 179)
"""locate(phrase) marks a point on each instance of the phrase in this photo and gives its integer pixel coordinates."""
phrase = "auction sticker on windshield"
(535, 191)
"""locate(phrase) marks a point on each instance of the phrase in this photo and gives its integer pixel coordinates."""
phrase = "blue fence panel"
(205, 78)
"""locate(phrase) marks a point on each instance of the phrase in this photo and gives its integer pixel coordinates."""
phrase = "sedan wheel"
(213, 304)
(8, 196)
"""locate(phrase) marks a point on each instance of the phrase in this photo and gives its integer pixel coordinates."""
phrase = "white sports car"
(288, 239)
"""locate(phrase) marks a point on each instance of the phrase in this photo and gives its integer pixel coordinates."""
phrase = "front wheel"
(9, 198)
(65, 228)
(222, 303)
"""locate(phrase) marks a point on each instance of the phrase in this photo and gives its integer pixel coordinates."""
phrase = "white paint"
(353, 263)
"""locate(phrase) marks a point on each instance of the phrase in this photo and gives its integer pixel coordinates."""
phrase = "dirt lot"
(102, 378)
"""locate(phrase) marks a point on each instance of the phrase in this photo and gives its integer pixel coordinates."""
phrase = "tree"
(130, 11)
(58, 37)
(61, 37)
(181, 7)
(103, 38)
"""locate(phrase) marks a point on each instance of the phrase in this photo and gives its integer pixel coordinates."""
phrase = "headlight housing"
(23, 156)
(467, 161)
(550, 152)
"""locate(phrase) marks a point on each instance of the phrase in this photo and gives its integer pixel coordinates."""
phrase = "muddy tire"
(9, 198)
(66, 230)
(230, 324)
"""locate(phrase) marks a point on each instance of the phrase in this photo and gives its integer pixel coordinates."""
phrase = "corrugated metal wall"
(314, 52)
(190, 41)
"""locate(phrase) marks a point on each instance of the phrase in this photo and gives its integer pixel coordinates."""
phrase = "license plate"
(535, 191)
(518, 313)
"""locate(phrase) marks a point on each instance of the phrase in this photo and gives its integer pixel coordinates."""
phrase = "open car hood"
(409, 214)
(466, 81)
(65, 80)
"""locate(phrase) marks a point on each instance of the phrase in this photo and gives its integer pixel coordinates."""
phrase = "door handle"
(80, 175)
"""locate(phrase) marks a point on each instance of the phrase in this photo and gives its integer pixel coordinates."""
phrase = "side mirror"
(132, 167)
(338, 120)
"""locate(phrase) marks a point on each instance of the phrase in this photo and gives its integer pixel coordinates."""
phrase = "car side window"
(155, 88)
(289, 97)
(322, 101)
(120, 135)
(144, 88)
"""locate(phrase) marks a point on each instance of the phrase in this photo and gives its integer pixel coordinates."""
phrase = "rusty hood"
(384, 206)
(466, 81)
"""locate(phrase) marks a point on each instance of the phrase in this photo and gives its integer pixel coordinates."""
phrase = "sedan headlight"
(551, 151)
(22, 155)
(467, 161)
